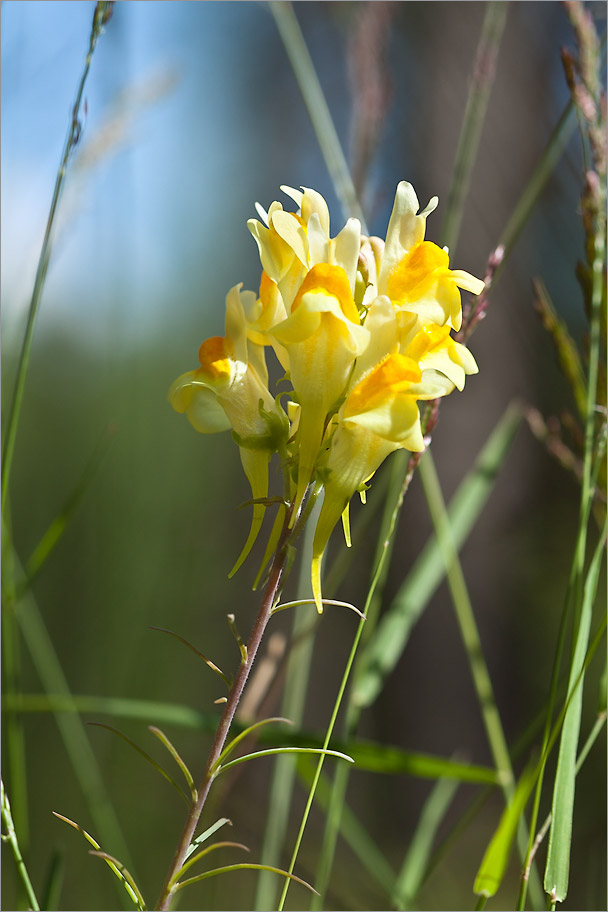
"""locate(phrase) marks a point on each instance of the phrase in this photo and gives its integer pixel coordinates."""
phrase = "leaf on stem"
(146, 756)
(194, 858)
(173, 751)
(207, 833)
(127, 878)
(116, 866)
(240, 867)
(207, 661)
(247, 731)
(237, 636)
(284, 605)
(282, 750)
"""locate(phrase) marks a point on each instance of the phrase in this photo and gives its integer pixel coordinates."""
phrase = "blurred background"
(193, 114)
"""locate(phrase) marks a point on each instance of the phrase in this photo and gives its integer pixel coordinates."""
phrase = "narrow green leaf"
(392, 634)
(283, 750)
(241, 867)
(173, 751)
(114, 865)
(207, 661)
(411, 875)
(494, 863)
(309, 601)
(244, 734)
(207, 833)
(212, 848)
(380, 758)
(558, 857)
(146, 756)
(54, 881)
(130, 885)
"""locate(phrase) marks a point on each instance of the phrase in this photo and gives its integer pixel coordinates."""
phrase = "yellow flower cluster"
(361, 327)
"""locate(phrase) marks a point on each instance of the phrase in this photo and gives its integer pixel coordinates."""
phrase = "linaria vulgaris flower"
(360, 326)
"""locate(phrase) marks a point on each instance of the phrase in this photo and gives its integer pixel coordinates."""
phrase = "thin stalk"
(11, 838)
(474, 116)
(100, 17)
(471, 639)
(268, 601)
(292, 707)
(319, 114)
(353, 712)
(466, 621)
(399, 482)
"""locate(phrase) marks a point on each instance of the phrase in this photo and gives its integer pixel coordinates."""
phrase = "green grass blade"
(562, 808)
(368, 755)
(78, 748)
(352, 830)
(494, 863)
(53, 534)
(411, 875)
(314, 99)
(383, 653)
(11, 837)
(474, 116)
(100, 17)
(54, 881)
(465, 618)
(538, 179)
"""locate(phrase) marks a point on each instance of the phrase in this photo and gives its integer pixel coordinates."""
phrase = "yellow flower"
(323, 336)
(290, 243)
(230, 389)
(415, 273)
(380, 413)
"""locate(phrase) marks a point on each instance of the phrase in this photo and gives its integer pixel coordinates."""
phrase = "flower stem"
(268, 601)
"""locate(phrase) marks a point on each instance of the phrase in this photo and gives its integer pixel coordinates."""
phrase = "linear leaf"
(247, 731)
(116, 866)
(240, 867)
(558, 856)
(174, 753)
(212, 848)
(207, 661)
(206, 834)
(134, 891)
(146, 756)
(494, 863)
(394, 629)
(283, 750)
